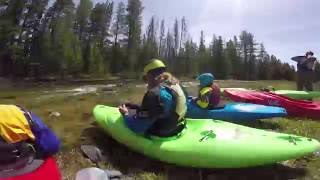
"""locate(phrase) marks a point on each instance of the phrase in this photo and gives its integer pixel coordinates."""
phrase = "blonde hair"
(168, 78)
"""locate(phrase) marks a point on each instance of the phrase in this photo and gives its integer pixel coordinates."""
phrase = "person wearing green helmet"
(209, 92)
(163, 106)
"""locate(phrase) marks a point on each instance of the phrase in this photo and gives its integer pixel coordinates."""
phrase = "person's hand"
(123, 109)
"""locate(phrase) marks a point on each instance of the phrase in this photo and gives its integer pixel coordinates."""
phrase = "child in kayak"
(163, 106)
(209, 92)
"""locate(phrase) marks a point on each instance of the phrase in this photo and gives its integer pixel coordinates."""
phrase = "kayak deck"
(235, 112)
(209, 143)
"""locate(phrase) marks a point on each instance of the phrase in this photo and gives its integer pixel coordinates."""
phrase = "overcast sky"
(286, 27)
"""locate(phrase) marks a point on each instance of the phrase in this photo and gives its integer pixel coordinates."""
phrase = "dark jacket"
(156, 115)
(302, 66)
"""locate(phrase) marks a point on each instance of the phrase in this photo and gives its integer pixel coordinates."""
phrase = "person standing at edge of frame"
(305, 71)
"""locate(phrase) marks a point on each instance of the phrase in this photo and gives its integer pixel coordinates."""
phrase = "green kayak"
(289, 93)
(299, 94)
(209, 143)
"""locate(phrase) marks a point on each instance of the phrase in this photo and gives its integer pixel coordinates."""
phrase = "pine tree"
(262, 64)
(176, 36)
(162, 39)
(97, 66)
(120, 25)
(252, 61)
(170, 50)
(82, 27)
(100, 22)
(68, 40)
(101, 17)
(202, 47)
(120, 34)
(220, 69)
(134, 37)
(247, 46)
(275, 66)
(232, 59)
(12, 51)
(150, 46)
(83, 17)
(64, 42)
(238, 73)
(183, 32)
(189, 57)
(152, 38)
(204, 60)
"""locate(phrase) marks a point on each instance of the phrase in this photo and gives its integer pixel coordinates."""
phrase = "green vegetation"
(107, 39)
(66, 39)
(75, 127)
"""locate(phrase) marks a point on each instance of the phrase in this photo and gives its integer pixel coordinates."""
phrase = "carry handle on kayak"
(207, 135)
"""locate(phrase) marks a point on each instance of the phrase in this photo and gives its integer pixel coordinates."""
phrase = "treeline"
(107, 38)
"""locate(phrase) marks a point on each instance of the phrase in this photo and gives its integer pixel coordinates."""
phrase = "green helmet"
(154, 64)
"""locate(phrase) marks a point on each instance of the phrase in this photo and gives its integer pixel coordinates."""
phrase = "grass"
(75, 126)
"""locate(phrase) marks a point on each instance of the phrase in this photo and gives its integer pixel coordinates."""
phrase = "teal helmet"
(205, 79)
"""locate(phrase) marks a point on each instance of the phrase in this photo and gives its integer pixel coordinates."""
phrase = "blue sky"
(286, 27)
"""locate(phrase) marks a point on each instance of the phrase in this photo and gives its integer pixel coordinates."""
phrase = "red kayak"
(47, 171)
(297, 108)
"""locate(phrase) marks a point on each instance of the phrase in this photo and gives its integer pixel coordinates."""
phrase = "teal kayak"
(235, 112)
(209, 143)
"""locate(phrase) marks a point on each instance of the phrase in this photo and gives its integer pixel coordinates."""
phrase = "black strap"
(171, 133)
(132, 106)
(27, 116)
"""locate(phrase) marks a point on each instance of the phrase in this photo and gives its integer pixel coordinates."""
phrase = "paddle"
(298, 58)
(309, 62)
